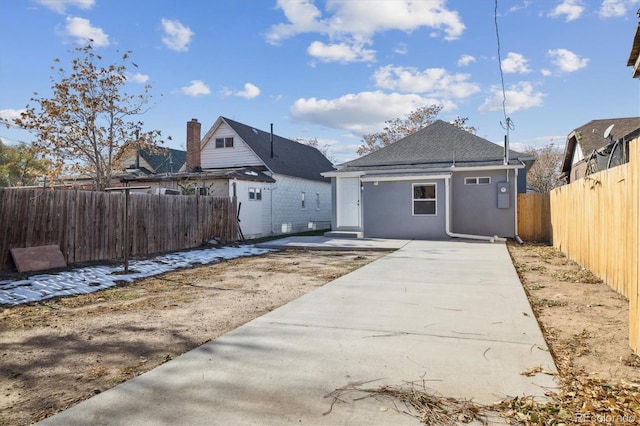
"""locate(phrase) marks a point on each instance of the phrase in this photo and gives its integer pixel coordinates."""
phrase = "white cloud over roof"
(518, 96)
(176, 35)
(362, 112)
(435, 82)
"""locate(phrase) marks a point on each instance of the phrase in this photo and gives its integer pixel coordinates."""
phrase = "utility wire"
(508, 124)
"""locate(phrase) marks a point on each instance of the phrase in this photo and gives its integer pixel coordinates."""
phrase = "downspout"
(447, 197)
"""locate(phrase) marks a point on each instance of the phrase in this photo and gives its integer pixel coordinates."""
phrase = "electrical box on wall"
(503, 195)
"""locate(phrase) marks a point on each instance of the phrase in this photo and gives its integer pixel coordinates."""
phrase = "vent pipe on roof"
(271, 140)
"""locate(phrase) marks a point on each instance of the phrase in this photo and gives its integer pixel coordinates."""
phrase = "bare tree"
(398, 128)
(324, 149)
(89, 119)
(544, 175)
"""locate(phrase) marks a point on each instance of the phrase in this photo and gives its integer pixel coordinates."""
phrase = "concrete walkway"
(449, 314)
(332, 243)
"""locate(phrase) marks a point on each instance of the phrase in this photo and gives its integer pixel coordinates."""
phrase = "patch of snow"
(88, 280)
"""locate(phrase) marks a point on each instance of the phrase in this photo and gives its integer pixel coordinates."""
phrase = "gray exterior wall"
(474, 208)
(388, 211)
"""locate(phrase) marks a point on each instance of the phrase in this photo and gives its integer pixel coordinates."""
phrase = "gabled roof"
(289, 157)
(440, 144)
(165, 160)
(590, 137)
(634, 56)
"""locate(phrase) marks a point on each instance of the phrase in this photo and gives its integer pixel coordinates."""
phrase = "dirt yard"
(58, 352)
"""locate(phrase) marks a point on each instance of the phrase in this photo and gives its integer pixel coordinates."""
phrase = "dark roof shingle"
(289, 157)
(438, 144)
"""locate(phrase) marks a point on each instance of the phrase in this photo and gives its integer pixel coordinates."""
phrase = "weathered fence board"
(89, 226)
(596, 223)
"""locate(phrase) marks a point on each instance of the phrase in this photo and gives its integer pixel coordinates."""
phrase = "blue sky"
(336, 69)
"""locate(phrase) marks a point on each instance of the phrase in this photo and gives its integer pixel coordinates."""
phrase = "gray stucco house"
(437, 183)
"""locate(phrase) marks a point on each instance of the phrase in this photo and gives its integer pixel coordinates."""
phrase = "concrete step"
(344, 234)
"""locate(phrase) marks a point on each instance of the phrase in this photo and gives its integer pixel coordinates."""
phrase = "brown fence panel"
(534, 217)
(595, 223)
(89, 226)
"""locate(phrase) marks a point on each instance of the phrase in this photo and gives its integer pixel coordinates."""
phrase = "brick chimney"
(193, 146)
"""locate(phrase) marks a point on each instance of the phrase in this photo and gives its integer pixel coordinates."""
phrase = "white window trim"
(255, 191)
(224, 142)
(413, 200)
(303, 201)
(475, 180)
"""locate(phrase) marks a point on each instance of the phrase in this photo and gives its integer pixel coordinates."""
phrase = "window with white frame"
(424, 199)
(303, 201)
(317, 201)
(255, 194)
(224, 142)
(484, 180)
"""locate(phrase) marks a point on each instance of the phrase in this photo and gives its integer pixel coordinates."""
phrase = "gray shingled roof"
(435, 146)
(289, 157)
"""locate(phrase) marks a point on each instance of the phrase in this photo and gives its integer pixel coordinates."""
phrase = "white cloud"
(250, 91)
(435, 82)
(340, 52)
(355, 22)
(196, 88)
(519, 96)
(546, 72)
(60, 6)
(401, 49)
(571, 9)
(360, 113)
(8, 115)
(566, 60)
(525, 4)
(176, 36)
(138, 78)
(615, 8)
(465, 60)
(515, 63)
(82, 30)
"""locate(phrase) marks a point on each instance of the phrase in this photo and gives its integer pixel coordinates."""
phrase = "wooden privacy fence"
(596, 223)
(534, 218)
(89, 226)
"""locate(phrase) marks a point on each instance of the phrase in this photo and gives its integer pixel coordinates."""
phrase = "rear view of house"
(437, 183)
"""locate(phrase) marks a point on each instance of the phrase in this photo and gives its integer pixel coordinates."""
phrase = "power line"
(508, 124)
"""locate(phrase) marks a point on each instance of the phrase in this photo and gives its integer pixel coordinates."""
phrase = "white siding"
(287, 206)
(238, 156)
(255, 215)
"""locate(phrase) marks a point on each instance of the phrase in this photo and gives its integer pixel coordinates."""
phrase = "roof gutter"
(355, 173)
(448, 224)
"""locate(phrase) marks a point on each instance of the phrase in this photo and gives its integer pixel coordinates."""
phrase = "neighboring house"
(161, 160)
(277, 181)
(598, 145)
(634, 56)
(437, 183)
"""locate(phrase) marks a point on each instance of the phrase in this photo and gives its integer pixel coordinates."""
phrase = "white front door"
(348, 199)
